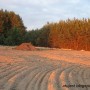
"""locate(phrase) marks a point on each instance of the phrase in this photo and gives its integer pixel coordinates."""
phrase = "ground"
(44, 69)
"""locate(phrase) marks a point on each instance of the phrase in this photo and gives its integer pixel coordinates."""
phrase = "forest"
(12, 29)
(69, 34)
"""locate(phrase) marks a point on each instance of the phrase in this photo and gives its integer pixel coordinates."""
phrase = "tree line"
(68, 34)
(12, 29)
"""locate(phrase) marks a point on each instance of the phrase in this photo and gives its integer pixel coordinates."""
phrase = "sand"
(50, 69)
(25, 46)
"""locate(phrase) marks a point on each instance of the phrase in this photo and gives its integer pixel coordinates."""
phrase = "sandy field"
(44, 69)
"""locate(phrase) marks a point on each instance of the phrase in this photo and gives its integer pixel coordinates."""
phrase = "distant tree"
(2, 38)
(31, 36)
(70, 34)
(10, 24)
(14, 37)
(43, 35)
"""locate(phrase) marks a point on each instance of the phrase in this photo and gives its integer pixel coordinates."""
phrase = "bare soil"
(44, 69)
(25, 46)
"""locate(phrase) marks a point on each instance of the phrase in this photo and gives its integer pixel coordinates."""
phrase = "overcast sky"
(36, 13)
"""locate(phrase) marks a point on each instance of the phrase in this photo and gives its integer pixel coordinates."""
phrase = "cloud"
(74, 1)
(38, 12)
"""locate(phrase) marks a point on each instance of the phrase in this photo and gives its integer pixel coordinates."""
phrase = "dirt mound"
(25, 46)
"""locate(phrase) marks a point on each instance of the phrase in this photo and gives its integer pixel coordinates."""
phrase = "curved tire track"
(41, 75)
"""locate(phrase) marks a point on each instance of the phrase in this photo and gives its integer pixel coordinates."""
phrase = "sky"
(36, 13)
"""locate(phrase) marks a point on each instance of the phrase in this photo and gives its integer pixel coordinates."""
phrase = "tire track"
(22, 85)
(72, 77)
(7, 77)
(43, 76)
(86, 76)
(64, 78)
(39, 81)
(14, 80)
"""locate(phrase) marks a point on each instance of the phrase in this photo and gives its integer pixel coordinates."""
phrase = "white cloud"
(74, 1)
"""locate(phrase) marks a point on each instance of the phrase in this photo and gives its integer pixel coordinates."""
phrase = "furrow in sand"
(3, 66)
(40, 79)
(51, 81)
(9, 70)
(56, 79)
(86, 76)
(44, 84)
(73, 78)
(6, 78)
(10, 65)
(80, 79)
(55, 82)
(33, 81)
(6, 67)
(23, 84)
(13, 81)
(18, 79)
(64, 78)
(43, 74)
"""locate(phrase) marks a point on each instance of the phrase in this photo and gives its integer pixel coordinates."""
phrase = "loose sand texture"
(44, 69)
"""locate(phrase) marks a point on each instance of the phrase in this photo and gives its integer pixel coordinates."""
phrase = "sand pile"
(25, 46)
